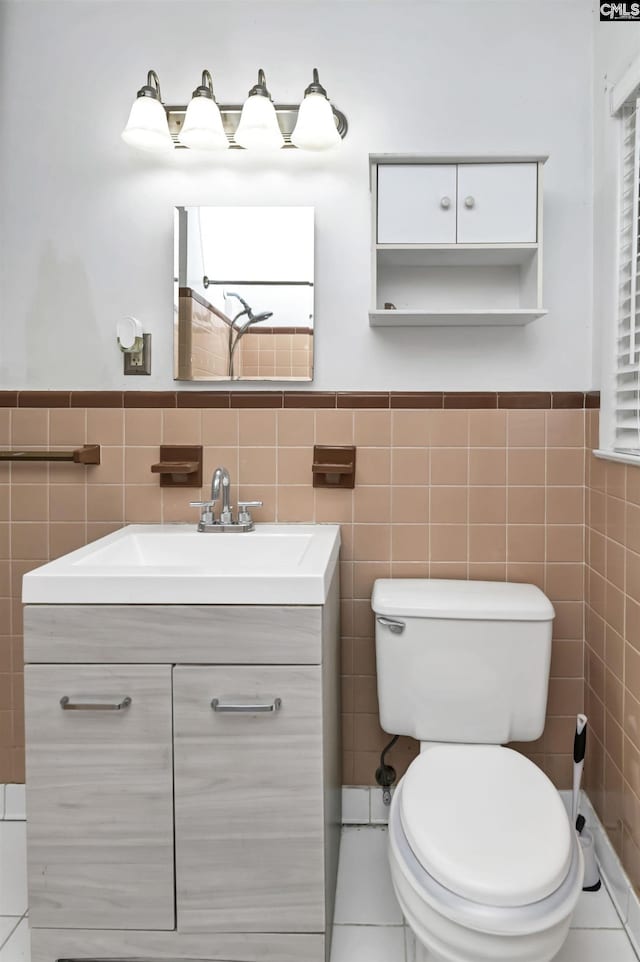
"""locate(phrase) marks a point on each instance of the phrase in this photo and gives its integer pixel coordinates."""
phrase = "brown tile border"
(44, 399)
(350, 400)
(568, 399)
(471, 399)
(97, 399)
(150, 399)
(362, 399)
(281, 330)
(257, 399)
(309, 399)
(525, 399)
(203, 399)
(416, 399)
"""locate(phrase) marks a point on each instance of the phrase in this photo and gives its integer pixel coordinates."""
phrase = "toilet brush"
(591, 874)
(579, 746)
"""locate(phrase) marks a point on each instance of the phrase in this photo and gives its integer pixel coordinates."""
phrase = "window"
(626, 389)
(617, 269)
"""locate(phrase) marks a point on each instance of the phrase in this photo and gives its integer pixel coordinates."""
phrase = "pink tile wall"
(612, 654)
(486, 494)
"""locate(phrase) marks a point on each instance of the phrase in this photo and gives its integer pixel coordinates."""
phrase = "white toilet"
(484, 861)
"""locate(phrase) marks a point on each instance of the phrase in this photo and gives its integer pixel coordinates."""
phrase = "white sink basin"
(174, 564)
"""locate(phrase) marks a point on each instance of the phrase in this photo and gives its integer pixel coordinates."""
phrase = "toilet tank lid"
(466, 600)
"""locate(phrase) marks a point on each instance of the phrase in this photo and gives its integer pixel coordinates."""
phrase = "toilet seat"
(520, 920)
(486, 824)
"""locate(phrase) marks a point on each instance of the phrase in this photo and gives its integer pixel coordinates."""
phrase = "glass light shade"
(202, 128)
(315, 127)
(258, 125)
(147, 127)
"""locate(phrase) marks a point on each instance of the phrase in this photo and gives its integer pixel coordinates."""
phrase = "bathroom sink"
(175, 564)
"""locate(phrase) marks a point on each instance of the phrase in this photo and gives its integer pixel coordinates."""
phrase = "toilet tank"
(462, 661)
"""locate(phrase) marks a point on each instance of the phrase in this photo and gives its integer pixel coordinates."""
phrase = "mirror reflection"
(243, 280)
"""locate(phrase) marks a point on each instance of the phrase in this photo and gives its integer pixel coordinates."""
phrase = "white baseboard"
(12, 803)
(363, 806)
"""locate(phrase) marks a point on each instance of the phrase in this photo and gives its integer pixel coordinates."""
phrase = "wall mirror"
(243, 281)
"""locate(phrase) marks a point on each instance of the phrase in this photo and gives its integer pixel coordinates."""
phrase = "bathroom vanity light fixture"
(315, 124)
(315, 127)
(147, 127)
(258, 125)
(202, 128)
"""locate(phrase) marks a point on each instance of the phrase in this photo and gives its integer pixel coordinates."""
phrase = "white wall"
(86, 223)
(616, 46)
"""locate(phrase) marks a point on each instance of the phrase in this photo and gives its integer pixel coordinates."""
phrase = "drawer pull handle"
(395, 627)
(86, 705)
(248, 707)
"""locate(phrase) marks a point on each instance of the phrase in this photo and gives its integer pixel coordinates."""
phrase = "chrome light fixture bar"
(315, 124)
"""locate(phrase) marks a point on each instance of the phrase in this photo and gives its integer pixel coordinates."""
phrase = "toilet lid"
(486, 823)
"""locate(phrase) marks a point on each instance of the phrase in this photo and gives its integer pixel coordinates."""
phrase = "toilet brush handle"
(580, 740)
(579, 747)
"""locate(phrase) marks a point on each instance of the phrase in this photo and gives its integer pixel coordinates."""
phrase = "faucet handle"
(244, 516)
(206, 512)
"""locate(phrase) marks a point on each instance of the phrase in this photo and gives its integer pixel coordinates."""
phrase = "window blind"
(627, 372)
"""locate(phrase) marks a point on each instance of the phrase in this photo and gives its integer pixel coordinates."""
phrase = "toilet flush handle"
(395, 627)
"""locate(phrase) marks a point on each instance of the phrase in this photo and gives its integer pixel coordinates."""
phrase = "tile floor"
(369, 927)
(368, 922)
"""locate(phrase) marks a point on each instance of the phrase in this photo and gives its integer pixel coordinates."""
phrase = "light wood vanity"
(167, 827)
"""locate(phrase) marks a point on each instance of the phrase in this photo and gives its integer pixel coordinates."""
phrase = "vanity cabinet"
(456, 241)
(100, 847)
(203, 736)
(248, 799)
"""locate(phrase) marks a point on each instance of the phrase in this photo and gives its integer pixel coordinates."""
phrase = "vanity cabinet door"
(249, 799)
(497, 203)
(99, 797)
(416, 204)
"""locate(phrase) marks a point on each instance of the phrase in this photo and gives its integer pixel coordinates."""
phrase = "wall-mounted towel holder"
(180, 466)
(334, 466)
(87, 454)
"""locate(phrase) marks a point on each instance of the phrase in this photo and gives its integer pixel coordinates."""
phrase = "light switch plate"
(139, 363)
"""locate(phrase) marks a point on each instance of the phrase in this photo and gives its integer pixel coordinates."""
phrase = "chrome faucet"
(221, 477)
(208, 523)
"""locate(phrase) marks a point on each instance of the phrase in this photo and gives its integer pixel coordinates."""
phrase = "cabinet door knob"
(445, 203)
(469, 202)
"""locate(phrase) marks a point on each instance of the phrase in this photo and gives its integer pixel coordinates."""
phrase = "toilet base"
(438, 939)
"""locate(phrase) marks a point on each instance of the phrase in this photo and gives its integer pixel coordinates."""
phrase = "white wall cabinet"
(417, 204)
(497, 203)
(456, 241)
(139, 768)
